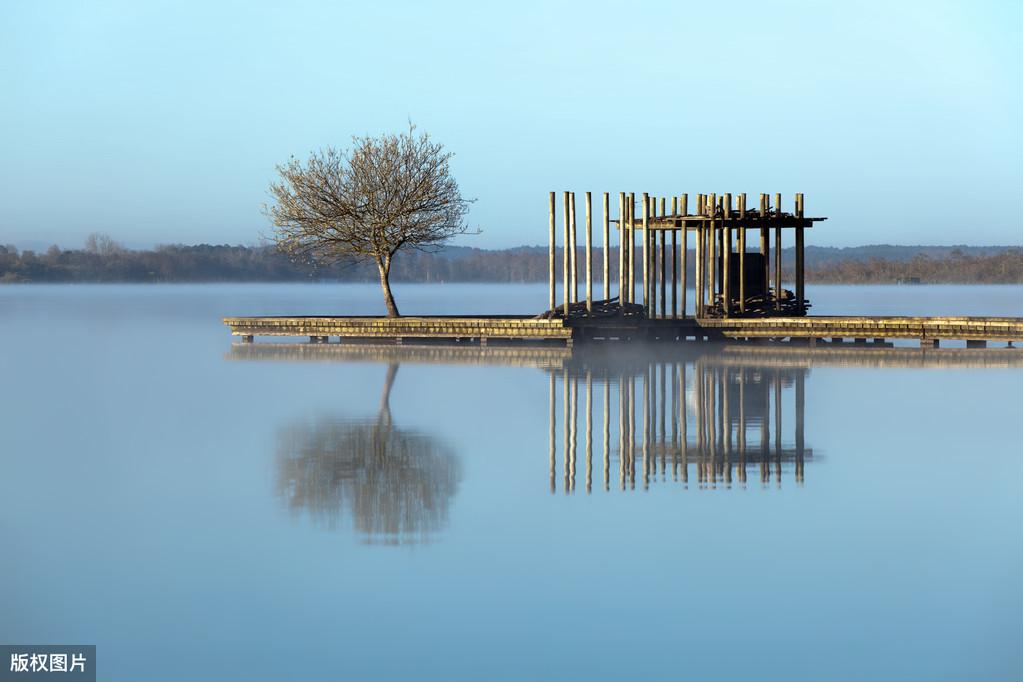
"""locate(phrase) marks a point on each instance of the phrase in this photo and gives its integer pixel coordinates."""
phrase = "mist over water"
(702, 511)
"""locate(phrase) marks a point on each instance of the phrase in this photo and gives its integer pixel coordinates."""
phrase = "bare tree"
(367, 203)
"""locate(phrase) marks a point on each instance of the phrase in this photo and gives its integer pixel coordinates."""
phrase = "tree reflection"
(395, 484)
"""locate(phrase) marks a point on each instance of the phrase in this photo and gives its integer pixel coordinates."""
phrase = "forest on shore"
(103, 260)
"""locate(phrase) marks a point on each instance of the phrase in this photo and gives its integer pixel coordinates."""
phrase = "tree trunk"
(384, 266)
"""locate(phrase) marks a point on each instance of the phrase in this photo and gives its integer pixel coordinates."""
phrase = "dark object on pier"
(605, 308)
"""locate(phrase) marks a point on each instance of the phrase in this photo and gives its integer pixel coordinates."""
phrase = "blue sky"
(161, 122)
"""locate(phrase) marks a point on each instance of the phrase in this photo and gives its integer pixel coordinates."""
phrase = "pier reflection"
(707, 420)
(395, 484)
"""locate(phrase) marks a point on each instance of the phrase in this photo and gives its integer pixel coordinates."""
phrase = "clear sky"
(161, 122)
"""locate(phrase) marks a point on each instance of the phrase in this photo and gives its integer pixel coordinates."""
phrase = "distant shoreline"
(210, 264)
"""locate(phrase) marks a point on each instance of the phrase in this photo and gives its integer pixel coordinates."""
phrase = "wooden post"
(684, 255)
(800, 261)
(607, 246)
(565, 261)
(674, 262)
(742, 253)
(607, 426)
(713, 251)
(698, 263)
(765, 247)
(646, 253)
(621, 248)
(726, 261)
(777, 255)
(632, 248)
(550, 256)
(574, 253)
(589, 255)
(662, 299)
(651, 267)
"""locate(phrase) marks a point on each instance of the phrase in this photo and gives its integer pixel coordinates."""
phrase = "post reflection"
(705, 419)
(395, 485)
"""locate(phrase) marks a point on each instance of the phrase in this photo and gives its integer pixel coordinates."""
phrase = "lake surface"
(201, 510)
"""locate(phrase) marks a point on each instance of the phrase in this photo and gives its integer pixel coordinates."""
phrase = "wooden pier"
(735, 280)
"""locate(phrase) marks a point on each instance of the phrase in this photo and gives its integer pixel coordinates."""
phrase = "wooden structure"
(730, 278)
(735, 275)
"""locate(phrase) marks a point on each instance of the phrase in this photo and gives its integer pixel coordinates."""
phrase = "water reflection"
(709, 418)
(396, 485)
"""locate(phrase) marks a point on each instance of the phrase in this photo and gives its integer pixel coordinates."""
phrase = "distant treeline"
(102, 260)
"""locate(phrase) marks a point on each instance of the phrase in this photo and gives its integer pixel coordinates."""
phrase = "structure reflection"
(705, 419)
(395, 484)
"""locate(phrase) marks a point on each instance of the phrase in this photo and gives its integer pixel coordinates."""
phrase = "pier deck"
(976, 331)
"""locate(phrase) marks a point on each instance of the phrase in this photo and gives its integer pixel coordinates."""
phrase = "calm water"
(201, 511)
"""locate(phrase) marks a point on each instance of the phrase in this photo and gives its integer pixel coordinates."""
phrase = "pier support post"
(684, 254)
(976, 343)
(800, 260)
(674, 263)
(765, 244)
(589, 255)
(606, 251)
(573, 252)
(632, 248)
(247, 338)
(565, 259)
(777, 255)
(646, 252)
(742, 252)
(622, 228)
(662, 274)
(929, 343)
(698, 264)
(552, 302)
(726, 261)
(713, 252)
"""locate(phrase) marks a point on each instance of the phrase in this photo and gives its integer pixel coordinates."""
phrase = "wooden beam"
(765, 245)
(698, 282)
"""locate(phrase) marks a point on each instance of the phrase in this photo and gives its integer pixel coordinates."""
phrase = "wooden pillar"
(726, 261)
(698, 263)
(777, 255)
(589, 254)
(800, 260)
(662, 276)
(622, 230)
(631, 285)
(607, 246)
(551, 263)
(712, 251)
(646, 253)
(742, 252)
(765, 248)
(651, 267)
(684, 255)
(573, 256)
(674, 262)
(565, 260)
